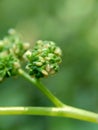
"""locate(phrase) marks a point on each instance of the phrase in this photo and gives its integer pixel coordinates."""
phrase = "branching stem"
(63, 110)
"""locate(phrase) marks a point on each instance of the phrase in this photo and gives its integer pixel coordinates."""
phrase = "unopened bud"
(38, 63)
(16, 65)
(44, 72)
(26, 46)
(58, 51)
(27, 54)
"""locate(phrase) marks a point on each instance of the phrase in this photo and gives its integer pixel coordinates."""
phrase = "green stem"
(70, 112)
(62, 110)
(39, 85)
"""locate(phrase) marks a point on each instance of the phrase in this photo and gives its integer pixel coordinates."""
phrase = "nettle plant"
(42, 60)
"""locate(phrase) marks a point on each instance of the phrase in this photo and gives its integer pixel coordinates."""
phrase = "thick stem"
(39, 85)
(68, 111)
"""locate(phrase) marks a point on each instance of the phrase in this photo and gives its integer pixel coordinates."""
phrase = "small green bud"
(26, 46)
(44, 72)
(38, 63)
(41, 59)
(27, 54)
(48, 68)
(16, 65)
(58, 51)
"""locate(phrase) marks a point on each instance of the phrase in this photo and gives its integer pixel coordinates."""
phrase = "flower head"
(13, 44)
(43, 59)
(12, 49)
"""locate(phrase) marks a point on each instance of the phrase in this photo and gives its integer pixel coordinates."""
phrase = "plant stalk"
(40, 86)
(62, 109)
(68, 111)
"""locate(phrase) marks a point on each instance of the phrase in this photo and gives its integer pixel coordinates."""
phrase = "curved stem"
(63, 110)
(39, 85)
(70, 112)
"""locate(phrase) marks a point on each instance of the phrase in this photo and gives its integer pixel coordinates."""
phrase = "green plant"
(41, 61)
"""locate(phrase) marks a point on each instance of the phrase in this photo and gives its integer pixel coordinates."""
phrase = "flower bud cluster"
(11, 51)
(43, 59)
(12, 44)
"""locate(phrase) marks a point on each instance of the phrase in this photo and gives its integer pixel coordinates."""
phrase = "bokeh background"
(73, 25)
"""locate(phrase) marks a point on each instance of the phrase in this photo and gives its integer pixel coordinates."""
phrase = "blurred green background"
(73, 25)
